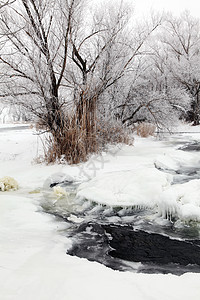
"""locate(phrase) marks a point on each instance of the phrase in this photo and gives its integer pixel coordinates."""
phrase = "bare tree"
(5, 3)
(182, 40)
(35, 56)
(62, 70)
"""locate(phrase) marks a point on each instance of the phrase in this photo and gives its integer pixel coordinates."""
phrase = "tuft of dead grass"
(76, 143)
(146, 129)
(81, 133)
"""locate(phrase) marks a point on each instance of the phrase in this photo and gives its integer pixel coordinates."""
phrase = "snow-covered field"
(33, 260)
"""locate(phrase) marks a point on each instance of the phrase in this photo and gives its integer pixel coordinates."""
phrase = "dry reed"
(146, 129)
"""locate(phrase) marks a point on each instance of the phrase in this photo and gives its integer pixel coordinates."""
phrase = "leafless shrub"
(113, 133)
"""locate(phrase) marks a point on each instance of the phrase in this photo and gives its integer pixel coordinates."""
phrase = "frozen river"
(75, 245)
(92, 226)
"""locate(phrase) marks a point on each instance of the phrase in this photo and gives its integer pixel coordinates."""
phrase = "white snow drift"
(140, 187)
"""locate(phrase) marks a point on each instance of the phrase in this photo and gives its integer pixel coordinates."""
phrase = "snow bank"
(182, 201)
(140, 187)
(145, 188)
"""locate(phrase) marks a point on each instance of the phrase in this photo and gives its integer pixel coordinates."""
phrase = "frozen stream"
(110, 235)
(107, 219)
(14, 128)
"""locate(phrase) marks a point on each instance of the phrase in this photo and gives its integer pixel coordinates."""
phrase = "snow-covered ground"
(33, 260)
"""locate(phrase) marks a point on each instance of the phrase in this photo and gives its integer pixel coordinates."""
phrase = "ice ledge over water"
(140, 187)
(145, 188)
(181, 201)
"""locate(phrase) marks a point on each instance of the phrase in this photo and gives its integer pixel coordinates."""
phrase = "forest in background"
(88, 76)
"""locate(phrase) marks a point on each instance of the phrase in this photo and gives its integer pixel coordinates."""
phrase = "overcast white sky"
(143, 7)
(175, 6)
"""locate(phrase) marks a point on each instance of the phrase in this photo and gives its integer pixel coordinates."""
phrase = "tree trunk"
(196, 110)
